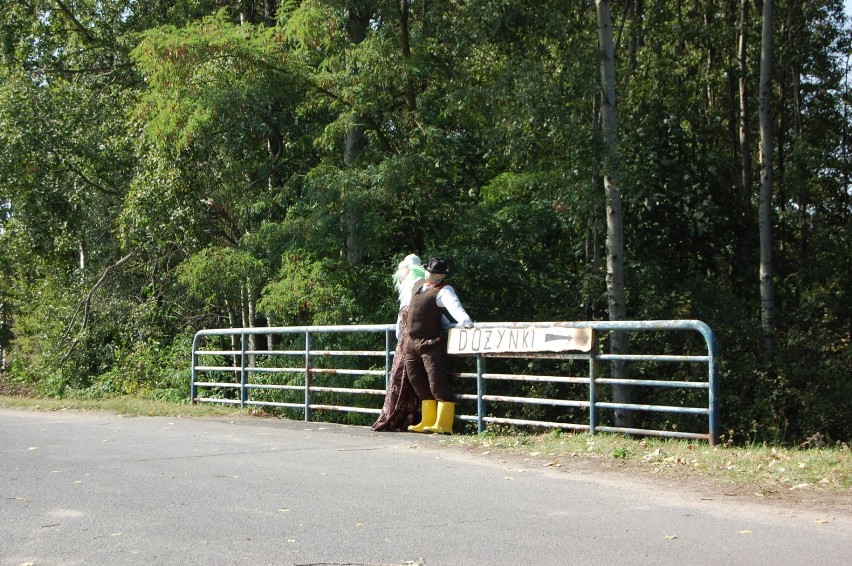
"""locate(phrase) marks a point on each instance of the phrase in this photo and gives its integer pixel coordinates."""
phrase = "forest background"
(172, 165)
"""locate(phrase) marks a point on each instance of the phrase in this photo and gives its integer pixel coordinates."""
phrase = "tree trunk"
(4, 336)
(248, 301)
(709, 24)
(767, 290)
(410, 96)
(270, 338)
(800, 165)
(614, 217)
(593, 263)
(637, 38)
(746, 167)
(269, 9)
(235, 343)
(357, 22)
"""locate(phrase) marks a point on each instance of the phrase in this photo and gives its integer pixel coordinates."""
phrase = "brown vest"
(424, 314)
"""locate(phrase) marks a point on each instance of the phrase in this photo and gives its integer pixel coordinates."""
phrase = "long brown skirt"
(402, 405)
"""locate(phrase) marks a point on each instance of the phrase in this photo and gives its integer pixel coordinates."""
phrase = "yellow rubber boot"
(444, 421)
(429, 413)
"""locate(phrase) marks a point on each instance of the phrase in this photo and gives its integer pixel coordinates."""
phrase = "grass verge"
(128, 406)
(762, 469)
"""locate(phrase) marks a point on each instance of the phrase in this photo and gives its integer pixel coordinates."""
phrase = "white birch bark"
(767, 289)
(614, 214)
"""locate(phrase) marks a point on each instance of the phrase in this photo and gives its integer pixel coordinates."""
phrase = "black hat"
(437, 265)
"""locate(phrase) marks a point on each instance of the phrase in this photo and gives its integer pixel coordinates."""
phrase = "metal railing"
(592, 404)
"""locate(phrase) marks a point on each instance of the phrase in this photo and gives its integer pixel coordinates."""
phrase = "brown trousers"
(426, 367)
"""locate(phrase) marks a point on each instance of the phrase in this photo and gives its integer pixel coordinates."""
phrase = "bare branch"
(87, 302)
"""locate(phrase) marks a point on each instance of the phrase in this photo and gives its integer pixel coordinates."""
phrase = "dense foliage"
(174, 165)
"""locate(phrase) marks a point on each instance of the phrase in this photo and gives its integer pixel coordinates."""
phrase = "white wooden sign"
(512, 339)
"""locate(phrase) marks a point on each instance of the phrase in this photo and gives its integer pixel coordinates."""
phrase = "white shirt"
(447, 299)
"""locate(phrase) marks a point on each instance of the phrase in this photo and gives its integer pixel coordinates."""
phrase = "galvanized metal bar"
(388, 365)
(466, 397)
(217, 368)
(277, 352)
(593, 389)
(324, 389)
(656, 383)
(333, 371)
(536, 401)
(342, 328)
(463, 375)
(243, 375)
(651, 358)
(480, 393)
(266, 352)
(713, 371)
(299, 406)
(538, 355)
(532, 378)
(655, 408)
(364, 353)
(313, 370)
(217, 400)
(273, 386)
(225, 384)
(193, 388)
(308, 415)
(217, 352)
(276, 370)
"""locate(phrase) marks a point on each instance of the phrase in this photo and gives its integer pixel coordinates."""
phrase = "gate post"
(243, 377)
(388, 364)
(593, 394)
(193, 388)
(480, 393)
(308, 415)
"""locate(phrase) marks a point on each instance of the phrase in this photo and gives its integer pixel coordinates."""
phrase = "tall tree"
(746, 165)
(358, 16)
(614, 212)
(767, 288)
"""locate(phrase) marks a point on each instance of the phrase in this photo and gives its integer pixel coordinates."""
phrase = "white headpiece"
(409, 270)
(409, 261)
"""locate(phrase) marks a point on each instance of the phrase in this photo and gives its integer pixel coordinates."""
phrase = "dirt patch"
(13, 389)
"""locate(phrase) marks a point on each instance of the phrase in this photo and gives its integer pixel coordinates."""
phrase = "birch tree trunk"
(4, 335)
(235, 342)
(250, 304)
(746, 170)
(614, 215)
(767, 290)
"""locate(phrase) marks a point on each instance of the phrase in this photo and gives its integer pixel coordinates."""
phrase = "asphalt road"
(100, 489)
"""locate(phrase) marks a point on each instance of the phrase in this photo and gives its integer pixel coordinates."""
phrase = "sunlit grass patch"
(767, 467)
(126, 405)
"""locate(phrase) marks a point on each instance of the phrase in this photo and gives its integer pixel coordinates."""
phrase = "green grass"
(761, 467)
(765, 468)
(127, 406)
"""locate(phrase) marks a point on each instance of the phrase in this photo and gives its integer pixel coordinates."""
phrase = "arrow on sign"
(552, 337)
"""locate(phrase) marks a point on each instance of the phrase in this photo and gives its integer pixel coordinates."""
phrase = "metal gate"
(256, 376)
